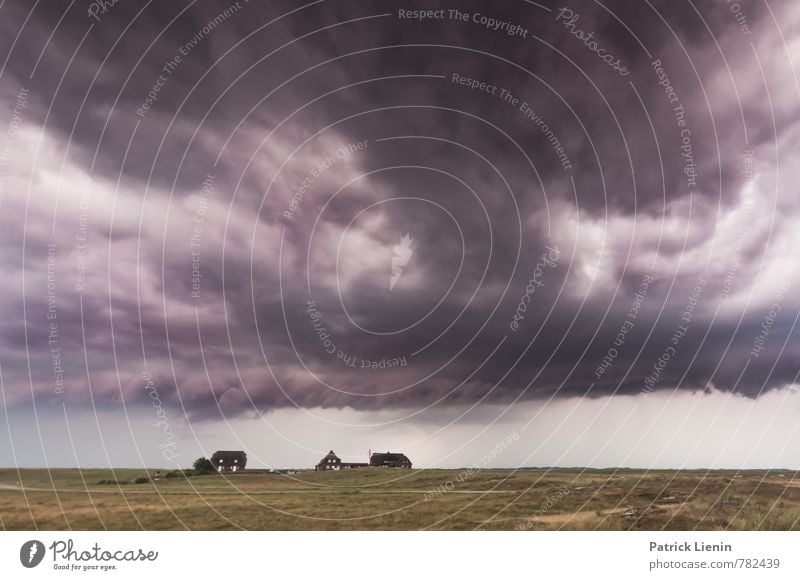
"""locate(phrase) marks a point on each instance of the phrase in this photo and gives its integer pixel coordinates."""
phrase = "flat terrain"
(386, 499)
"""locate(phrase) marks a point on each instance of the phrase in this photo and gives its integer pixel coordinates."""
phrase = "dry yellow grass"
(381, 499)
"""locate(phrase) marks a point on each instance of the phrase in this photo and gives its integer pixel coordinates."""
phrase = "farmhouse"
(332, 462)
(390, 460)
(229, 460)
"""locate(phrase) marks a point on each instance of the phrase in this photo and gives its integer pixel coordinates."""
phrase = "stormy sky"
(284, 227)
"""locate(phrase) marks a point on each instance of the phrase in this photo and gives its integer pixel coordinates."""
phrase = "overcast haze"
(286, 227)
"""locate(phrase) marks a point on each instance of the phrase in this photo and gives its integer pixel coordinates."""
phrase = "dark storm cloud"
(617, 195)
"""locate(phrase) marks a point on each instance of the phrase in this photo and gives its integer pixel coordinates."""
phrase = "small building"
(390, 460)
(229, 460)
(331, 462)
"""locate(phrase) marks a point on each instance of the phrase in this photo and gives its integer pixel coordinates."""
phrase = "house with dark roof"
(229, 460)
(389, 459)
(331, 462)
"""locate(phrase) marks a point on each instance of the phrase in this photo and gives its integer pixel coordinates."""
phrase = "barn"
(229, 460)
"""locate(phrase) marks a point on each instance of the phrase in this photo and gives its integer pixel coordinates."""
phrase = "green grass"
(385, 499)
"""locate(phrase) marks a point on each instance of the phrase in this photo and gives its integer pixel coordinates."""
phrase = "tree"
(203, 466)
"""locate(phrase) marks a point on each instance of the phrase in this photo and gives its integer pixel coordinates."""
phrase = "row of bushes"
(124, 481)
(201, 467)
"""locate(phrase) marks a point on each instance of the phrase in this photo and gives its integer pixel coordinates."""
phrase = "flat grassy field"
(386, 499)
